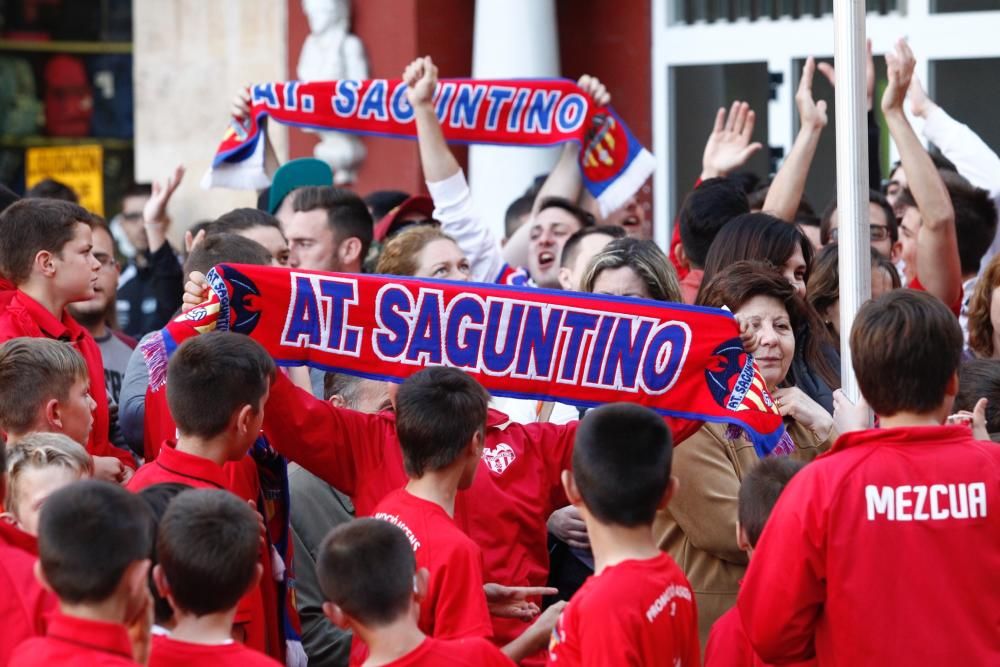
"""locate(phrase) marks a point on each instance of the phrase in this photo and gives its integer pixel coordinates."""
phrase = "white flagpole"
(854, 235)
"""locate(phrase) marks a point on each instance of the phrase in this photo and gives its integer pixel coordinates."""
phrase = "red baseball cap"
(396, 219)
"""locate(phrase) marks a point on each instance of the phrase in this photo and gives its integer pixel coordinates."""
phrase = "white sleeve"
(971, 156)
(453, 209)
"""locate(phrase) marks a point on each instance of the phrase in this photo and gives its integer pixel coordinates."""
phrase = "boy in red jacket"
(637, 609)
(886, 549)
(217, 385)
(728, 645)
(368, 573)
(206, 545)
(46, 251)
(25, 604)
(94, 541)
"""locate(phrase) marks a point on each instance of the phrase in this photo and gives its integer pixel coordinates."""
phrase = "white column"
(513, 39)
(852, 176)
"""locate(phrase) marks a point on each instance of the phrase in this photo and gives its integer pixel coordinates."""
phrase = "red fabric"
(24, 604)
(455, 606)
(6, 285)
(505, 510)
(167, 652)
(472, 652)
(639, 613)
(852, 582)
(729, 646)
(240, 478)
(690, 284)
(158, 424)
(76, 641)
(955, 306)
(23, 316)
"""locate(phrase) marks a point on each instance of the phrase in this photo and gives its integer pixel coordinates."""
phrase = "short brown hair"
(905, 347)
(43, 450)
(208, 547)
(30, 226)
(438, 411)
(33, 371)
(213, 375)
(346, 213)
(760, 490)
(399, 254)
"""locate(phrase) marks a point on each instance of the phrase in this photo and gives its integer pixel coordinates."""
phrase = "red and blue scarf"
(516, 112)
(584, 349)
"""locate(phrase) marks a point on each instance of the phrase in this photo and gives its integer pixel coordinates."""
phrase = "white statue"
(332, 52)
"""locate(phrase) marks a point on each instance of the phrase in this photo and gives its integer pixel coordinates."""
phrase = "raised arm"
(964, 148)
(445, 181)
(786, 190)
(564, 181)
(938, 267)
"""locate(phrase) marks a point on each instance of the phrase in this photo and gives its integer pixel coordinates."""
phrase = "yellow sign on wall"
(79, 167)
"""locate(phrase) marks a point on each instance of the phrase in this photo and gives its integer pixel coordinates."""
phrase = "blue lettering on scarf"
(517, 110)
(373, 102)
(665, 356)
(467, 104)
(264, 92)
(599, 350)
(498, 96)
(579, 324)
(302, 329)
(465, 315)
(538, 343)
(570, 113)
(443, 96)
(539, 117)
(400, 107)
(625, 354)
(425, 344)
(345, 98)
(391, 305)
(498, 361)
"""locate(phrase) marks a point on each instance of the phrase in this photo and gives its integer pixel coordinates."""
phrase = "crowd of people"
(252, 514)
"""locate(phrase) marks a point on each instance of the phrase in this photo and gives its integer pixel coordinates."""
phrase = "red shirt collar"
(189, 465)
(95, 635)
(66, 329)
(13, 536)
(902, 436)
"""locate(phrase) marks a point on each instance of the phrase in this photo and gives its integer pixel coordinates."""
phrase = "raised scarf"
(578, 348)
(515, 112)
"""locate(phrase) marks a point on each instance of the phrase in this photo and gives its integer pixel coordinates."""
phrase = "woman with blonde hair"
(631, 267)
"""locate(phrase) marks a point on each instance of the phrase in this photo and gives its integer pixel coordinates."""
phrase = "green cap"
(297, 174)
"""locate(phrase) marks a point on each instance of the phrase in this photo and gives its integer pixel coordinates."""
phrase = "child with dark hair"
(441, 423)
(24, 605)
(638, 608)
(918, 495)
(369, 576)
(728, 645)
(207, 544)
(94, 541)
(217, 385)
(157, 498)
(46, 251)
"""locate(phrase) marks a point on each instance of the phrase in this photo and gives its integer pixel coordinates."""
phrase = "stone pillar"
(513, 39)
(191, 57)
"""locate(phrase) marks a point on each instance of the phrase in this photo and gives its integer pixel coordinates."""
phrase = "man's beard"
(86, 315)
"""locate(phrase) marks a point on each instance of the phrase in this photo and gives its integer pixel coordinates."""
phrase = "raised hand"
(811, 112)
(595, 90)
(919, 101)
(831, 74)
(155, 209)
(421, 78)
(899, 65)
(728, 147)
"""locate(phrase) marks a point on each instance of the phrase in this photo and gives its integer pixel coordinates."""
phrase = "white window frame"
(780, 43)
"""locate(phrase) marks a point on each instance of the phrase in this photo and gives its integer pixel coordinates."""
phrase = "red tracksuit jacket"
(23, 316)
(883, 551)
